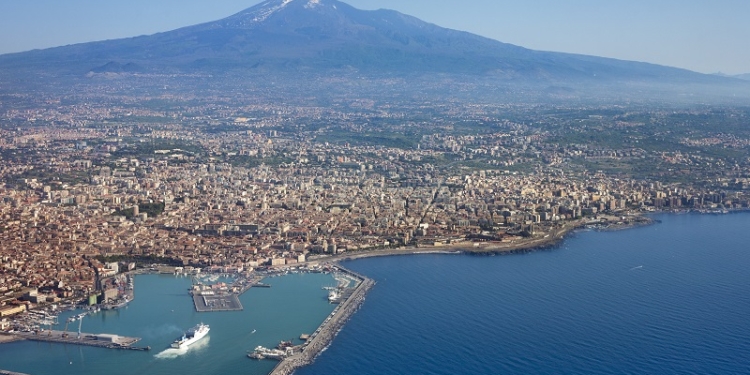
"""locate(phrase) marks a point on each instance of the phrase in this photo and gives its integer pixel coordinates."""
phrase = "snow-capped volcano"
(324, 36)
(263, 11)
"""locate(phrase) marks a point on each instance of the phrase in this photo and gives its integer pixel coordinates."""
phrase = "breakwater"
(330, 327)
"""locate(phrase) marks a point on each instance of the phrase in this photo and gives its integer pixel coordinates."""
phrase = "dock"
(221, 302)
(323, 336)
(226, 301)
(99, 340)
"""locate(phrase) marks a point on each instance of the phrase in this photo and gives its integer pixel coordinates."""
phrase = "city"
(310, 186)
(241, 193)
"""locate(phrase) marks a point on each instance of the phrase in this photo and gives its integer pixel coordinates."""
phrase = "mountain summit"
(325, 36)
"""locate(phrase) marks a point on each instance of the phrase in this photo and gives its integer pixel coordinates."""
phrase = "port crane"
(73, 318)
(65, 331)
(49, 321)
(80, 321)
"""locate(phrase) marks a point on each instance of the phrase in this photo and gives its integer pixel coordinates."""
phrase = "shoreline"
(496, 248)
(329, 329)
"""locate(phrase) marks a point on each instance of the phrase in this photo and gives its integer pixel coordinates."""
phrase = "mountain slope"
(327, 35)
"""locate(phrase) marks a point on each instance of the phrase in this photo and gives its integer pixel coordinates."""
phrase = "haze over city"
(706, 37)
(312, 187)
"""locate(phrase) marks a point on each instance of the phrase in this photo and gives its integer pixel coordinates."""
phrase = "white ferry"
(191, 336)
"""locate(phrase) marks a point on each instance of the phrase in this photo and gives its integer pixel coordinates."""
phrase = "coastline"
(330, 328)
(611, 264)
(497, 248)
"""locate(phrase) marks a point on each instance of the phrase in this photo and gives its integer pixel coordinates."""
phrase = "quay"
(323, 336)
(100, 340)
(222, 302)
(210, 302)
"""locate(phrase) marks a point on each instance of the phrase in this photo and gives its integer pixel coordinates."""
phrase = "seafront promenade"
(500, 248)
(328, 330)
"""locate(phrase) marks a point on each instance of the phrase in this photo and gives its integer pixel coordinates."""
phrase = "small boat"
(333, 296)
(284, 344)
(253, 331)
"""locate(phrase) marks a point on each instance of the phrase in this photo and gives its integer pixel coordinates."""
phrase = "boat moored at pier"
(263, 353)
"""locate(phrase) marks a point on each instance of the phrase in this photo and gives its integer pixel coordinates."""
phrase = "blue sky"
(701, 35)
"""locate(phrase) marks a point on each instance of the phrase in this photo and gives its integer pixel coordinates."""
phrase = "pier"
(328, 330)
(99, 340)
(211, 302)
(221, 302)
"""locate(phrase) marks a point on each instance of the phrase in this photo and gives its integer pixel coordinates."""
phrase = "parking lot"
(228, 302)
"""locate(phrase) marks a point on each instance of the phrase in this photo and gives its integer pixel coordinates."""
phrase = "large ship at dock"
(191, 336)
(117, 304)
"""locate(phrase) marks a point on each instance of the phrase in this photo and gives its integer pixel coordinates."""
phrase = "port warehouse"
(106, 337)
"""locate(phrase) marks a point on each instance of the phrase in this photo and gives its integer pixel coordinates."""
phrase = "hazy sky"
(703, 35)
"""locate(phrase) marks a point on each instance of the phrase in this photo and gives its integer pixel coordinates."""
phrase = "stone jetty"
(328, 330)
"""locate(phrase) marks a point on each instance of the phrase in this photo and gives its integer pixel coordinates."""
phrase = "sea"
(162, 311)
(669, 298)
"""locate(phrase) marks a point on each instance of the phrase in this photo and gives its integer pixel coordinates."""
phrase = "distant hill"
(114, 67)
(330, 37)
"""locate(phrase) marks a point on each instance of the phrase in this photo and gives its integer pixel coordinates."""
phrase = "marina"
(292, 302)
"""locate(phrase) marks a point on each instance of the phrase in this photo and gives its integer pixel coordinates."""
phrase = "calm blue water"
(671, 298)
(162, 310)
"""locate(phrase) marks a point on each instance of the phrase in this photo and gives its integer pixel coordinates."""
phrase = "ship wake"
(172, 353)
